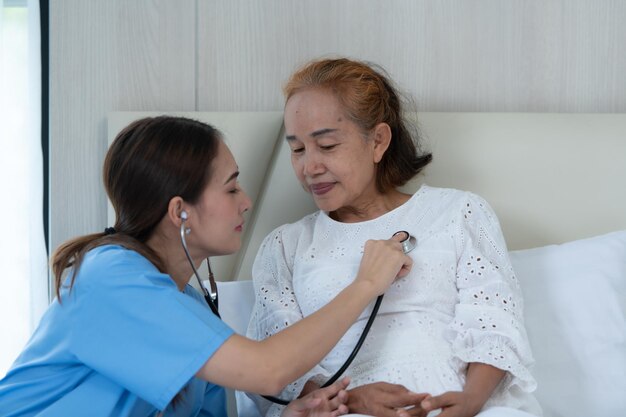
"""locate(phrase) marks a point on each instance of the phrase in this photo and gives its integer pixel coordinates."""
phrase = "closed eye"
(236, 189)
(327, 147)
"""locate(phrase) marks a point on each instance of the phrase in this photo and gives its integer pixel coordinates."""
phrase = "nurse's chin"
(227, 249)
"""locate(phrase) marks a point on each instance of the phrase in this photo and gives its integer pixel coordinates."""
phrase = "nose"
(312, 164)
(246, 204)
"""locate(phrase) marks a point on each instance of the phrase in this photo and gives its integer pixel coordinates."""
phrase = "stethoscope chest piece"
(408, 242)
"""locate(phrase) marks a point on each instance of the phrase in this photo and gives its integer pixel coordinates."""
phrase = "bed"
(558, 185)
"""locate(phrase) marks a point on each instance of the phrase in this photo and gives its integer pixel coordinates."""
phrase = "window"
(24, 278)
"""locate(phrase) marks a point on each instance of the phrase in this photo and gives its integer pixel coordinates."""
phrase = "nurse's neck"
(180, 274)
(180, 271)
(174, 261)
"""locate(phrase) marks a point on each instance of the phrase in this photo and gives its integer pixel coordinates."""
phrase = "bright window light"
(20, 180)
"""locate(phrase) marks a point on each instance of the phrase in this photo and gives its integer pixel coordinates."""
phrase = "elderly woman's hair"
(150, 161)
(368, 97)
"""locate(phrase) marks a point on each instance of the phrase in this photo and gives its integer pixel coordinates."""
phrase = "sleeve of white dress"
(275, 306)
(488, 326)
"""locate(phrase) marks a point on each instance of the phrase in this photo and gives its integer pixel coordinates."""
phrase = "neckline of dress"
(420, 191)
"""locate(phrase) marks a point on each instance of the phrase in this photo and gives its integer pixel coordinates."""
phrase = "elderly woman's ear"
(381, 135)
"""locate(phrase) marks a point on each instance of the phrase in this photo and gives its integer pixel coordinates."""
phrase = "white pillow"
(575, 310)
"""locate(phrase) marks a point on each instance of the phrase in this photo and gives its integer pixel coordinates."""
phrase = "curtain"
(24, 274)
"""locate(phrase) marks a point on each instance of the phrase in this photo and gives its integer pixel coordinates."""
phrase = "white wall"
(211, 55)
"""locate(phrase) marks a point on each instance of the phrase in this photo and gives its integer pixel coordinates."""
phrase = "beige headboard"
(551, 178)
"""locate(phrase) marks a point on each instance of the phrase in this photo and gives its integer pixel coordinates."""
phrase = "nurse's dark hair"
(368, 97)
(150, 161)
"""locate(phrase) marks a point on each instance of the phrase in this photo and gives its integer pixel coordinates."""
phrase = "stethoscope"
(211, 299)
(408, 244)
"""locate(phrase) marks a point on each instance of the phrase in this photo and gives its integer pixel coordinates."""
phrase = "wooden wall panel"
(104, 56)
(451, 55)
(216, 55)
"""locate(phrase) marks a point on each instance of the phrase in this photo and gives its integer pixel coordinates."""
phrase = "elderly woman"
(448, 337)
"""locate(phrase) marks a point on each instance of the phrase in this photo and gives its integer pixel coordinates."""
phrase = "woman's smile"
(321, 188)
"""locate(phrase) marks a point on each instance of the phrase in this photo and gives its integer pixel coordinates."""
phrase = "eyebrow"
(315, 134)
(232, 177)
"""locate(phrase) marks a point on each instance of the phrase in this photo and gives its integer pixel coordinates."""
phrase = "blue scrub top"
(123, 342)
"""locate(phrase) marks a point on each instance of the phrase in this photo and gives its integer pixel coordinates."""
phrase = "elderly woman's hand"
(323, 402)
(386, 400)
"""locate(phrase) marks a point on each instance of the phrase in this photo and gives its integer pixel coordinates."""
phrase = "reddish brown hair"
(368, 97)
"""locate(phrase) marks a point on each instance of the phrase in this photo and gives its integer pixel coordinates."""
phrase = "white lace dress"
(461, 302)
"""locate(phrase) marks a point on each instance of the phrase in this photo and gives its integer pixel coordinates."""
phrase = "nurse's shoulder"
(108, 266)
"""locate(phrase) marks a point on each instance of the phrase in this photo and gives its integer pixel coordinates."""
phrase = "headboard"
(551, 178)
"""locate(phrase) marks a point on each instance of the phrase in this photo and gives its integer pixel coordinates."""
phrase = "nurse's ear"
(175, 210)
(381, 138)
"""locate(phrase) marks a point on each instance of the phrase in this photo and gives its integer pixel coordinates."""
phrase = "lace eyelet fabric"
(461, 302)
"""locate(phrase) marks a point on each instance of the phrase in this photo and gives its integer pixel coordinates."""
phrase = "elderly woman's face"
(331, 156)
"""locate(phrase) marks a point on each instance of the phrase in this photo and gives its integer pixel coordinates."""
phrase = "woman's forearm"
(306, 342)
(481, 380)
(272, 363)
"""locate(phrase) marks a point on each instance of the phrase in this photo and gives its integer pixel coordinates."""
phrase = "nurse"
(128, 336)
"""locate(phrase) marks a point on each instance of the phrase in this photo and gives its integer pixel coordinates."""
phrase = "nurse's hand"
(383, 261)
(323, 402)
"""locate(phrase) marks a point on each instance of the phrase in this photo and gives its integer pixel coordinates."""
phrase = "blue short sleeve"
(134, 326)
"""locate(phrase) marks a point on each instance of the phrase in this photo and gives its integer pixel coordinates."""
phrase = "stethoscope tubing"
(408, 244)
(350, 358)
(212, 301)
